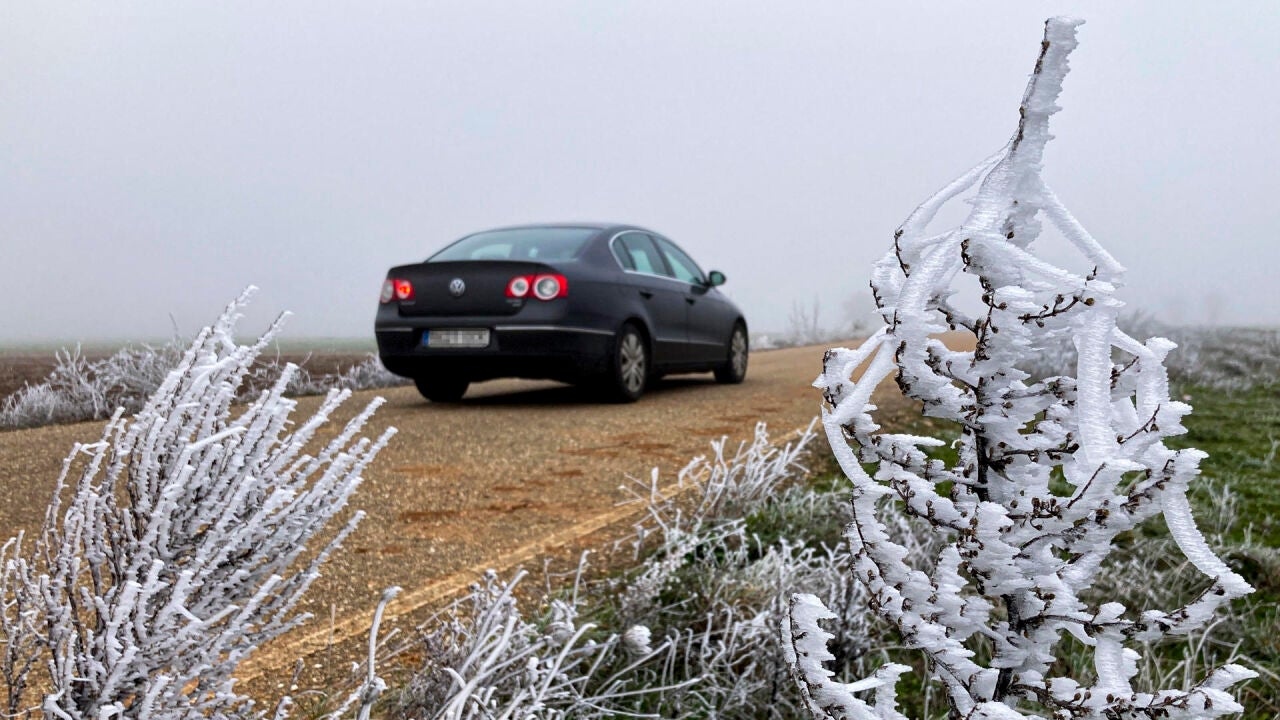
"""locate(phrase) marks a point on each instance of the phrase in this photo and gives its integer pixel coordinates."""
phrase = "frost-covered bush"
(1051, 470)
(719, 562)
(486, 659)
(708, 588)
(81, 389)
(1225, 358)
(178, 544)
(368, 374)
(1222, 358)
(1149, 570)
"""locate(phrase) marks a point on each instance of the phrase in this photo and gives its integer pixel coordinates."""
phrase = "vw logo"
(457, 287)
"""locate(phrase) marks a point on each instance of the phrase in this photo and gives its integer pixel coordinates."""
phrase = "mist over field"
(156, 159)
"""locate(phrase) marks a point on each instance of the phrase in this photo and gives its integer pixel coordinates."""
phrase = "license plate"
(456, 338)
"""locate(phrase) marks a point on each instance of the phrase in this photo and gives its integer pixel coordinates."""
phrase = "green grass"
(1241, 432)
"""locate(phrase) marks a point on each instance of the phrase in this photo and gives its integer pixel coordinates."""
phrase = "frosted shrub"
(368, 374)
(694, 623)
(81, 389)
(486, 659)
(177, 544)
(1050, 470)
(719, 561)
(1221, 358)
(1226, 358)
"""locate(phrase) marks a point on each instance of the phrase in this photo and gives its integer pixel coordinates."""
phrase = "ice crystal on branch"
(179, 546)
(1050, 471)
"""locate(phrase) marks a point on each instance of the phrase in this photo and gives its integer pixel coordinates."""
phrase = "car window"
(623, 257)
(545, 243)
(497, 251)
(682, 266)
(644, 256)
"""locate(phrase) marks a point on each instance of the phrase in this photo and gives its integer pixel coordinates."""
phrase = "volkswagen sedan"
(615, 306)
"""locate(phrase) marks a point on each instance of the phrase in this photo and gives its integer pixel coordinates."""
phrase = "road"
(517, 470)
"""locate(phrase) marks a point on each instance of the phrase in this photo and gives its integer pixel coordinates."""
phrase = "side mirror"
(715, 277)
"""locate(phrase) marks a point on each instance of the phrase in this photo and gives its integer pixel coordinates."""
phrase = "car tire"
(442, 390)
(630, 366)
(734, 369)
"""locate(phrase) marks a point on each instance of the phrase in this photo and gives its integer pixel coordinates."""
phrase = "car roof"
(599, 226)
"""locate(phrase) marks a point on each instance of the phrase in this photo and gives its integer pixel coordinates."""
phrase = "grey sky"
(157, 157)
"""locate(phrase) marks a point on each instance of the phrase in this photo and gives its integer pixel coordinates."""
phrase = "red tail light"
(396, 289)
(550, 287)
(543, 287)
(518, 287)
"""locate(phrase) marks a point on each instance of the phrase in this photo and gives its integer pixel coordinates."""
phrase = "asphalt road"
(515, 471)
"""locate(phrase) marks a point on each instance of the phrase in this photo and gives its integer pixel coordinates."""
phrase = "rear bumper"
(526, 351)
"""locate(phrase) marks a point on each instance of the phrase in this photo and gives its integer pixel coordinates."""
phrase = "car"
(614, 306)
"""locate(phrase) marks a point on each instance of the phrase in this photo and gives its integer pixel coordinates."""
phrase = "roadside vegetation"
(178, 544)
(713, 571)
(81, 388)
(1236, 506)
(688, 627)
(1045, 598)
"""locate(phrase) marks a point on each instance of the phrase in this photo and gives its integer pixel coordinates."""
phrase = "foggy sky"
(157, 157)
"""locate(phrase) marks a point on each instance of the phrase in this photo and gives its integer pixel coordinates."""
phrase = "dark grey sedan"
(612, 305)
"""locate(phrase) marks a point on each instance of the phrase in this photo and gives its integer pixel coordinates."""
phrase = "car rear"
(498, 304)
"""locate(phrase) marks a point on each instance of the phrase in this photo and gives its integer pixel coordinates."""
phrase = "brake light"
(550, 287)
(404, 290)
(518, 287)
(396, 289)
(543, 287)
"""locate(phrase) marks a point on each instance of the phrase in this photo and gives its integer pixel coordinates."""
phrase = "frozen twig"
(178, 544)
(1051, 469)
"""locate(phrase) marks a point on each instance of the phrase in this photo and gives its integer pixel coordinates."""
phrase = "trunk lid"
(484, 286)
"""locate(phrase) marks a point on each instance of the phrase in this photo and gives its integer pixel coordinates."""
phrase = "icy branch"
(178, 544)
(1051, 470)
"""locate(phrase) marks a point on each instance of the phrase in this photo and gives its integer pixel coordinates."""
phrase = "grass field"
(1241, 432)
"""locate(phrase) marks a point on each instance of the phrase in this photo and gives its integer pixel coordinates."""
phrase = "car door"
(647, 274)
(709, 318)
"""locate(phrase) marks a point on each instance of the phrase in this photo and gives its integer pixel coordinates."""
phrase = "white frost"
(1020, 556)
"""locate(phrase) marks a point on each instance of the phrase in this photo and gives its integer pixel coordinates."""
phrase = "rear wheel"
(629, 367)
(734, 370)
(442, 389)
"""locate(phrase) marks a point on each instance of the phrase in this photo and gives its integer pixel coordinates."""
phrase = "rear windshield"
(555, 243)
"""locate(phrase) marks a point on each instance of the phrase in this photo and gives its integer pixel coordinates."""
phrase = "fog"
(157, 157)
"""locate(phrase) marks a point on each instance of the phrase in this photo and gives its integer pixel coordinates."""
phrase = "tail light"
(404, 290)
(396, 289)
(543, 287)
(550, 287)
(518, 287)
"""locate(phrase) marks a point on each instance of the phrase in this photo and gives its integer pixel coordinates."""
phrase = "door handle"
(646, 294)
(691, 300)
